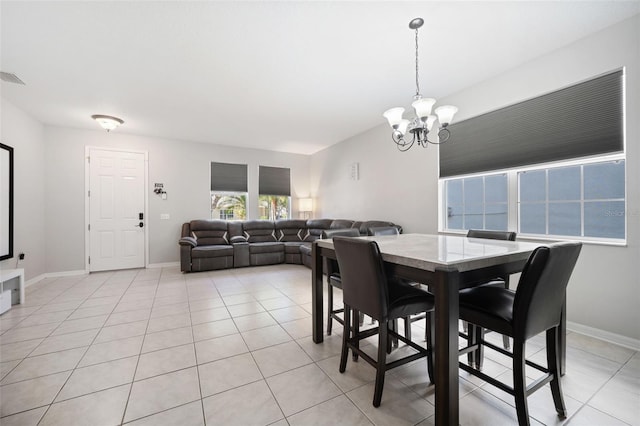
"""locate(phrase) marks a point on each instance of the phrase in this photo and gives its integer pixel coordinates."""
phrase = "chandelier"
(423, 122)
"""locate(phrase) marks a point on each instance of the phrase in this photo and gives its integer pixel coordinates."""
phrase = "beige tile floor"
(156, 347)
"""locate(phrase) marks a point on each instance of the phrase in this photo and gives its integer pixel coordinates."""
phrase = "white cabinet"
(7, 286)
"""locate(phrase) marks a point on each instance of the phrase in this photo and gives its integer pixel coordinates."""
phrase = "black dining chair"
(535, 307)
(333, 276)
(501, 281)
(393, 230)
(366, 288)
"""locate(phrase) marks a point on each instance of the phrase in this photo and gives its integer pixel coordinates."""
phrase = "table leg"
(446, 347)
(317, 314)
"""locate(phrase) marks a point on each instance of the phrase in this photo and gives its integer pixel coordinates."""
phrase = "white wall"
(184, 169)
(605, 288)
(394, 186)
(26, 136)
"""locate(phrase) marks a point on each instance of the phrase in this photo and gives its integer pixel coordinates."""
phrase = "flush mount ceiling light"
(107, 122)
(422, 124)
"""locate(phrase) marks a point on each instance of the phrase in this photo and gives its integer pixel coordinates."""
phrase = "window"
(551, 166)
(576, 200)
(585, 200)
(228, 191)
(274, 200)
(478, 202)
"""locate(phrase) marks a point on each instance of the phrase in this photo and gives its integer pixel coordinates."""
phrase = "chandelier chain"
(417, 79)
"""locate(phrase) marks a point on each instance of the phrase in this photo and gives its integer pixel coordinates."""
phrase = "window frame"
(513, 201)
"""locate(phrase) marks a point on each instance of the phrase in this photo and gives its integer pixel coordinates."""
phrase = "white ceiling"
(294, 76)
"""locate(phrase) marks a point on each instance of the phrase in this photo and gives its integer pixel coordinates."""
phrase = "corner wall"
(26, 136)
(605, 287)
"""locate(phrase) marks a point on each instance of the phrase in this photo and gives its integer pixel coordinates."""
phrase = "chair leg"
(392, 341)
(471, 340)
(329, 308)
(345, 338)
(407, 328)
(520, 382)
(479, 338)
(553, 362)
(505, 341)
(356, 331)
(381, 364)
(429, 333)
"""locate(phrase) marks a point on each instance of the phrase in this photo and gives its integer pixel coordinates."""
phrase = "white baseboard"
(42, 277)
(607, 336)
(163, 265)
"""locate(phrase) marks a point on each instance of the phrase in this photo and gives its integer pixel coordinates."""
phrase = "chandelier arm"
(401, 142)
(443, 136)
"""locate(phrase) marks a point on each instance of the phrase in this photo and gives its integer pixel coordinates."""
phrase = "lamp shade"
(445, 114)
(423, 107)
(402, 127)
(394, 116)
(305, 204)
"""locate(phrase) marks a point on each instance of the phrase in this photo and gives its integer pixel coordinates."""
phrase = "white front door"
(117, 220)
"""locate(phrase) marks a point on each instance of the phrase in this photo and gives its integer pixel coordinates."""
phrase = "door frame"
(87, 213)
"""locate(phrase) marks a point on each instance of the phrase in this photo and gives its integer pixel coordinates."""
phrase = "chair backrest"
(492, 235)
(383, 230)
(364, 282)
(332, 265)
(541, 290)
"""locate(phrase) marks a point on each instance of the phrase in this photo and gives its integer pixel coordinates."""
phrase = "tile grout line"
(88, 347)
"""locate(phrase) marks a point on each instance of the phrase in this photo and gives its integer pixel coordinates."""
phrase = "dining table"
(446, 264)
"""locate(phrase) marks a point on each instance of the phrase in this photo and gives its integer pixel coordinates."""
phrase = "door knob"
(141, 224)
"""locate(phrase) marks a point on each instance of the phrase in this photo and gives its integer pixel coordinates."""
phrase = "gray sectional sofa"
(218, 244)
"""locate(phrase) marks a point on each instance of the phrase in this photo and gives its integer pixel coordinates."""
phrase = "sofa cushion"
(268, 247)
(259, 231)
(291, 230)
(364, 226)
(292, 247)
(212, 251)
(315, 228)
(341, 224)
(209, 232)
(305, 249)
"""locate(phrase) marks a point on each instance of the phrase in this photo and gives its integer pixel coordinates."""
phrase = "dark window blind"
(578, 121)
(274, 181)
(228, 177)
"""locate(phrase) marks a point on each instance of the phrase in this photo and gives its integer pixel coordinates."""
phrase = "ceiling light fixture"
(422, 124)
(107, 122)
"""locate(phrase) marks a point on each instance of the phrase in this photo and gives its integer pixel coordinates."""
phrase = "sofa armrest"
(238, 239)
(188, 241)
